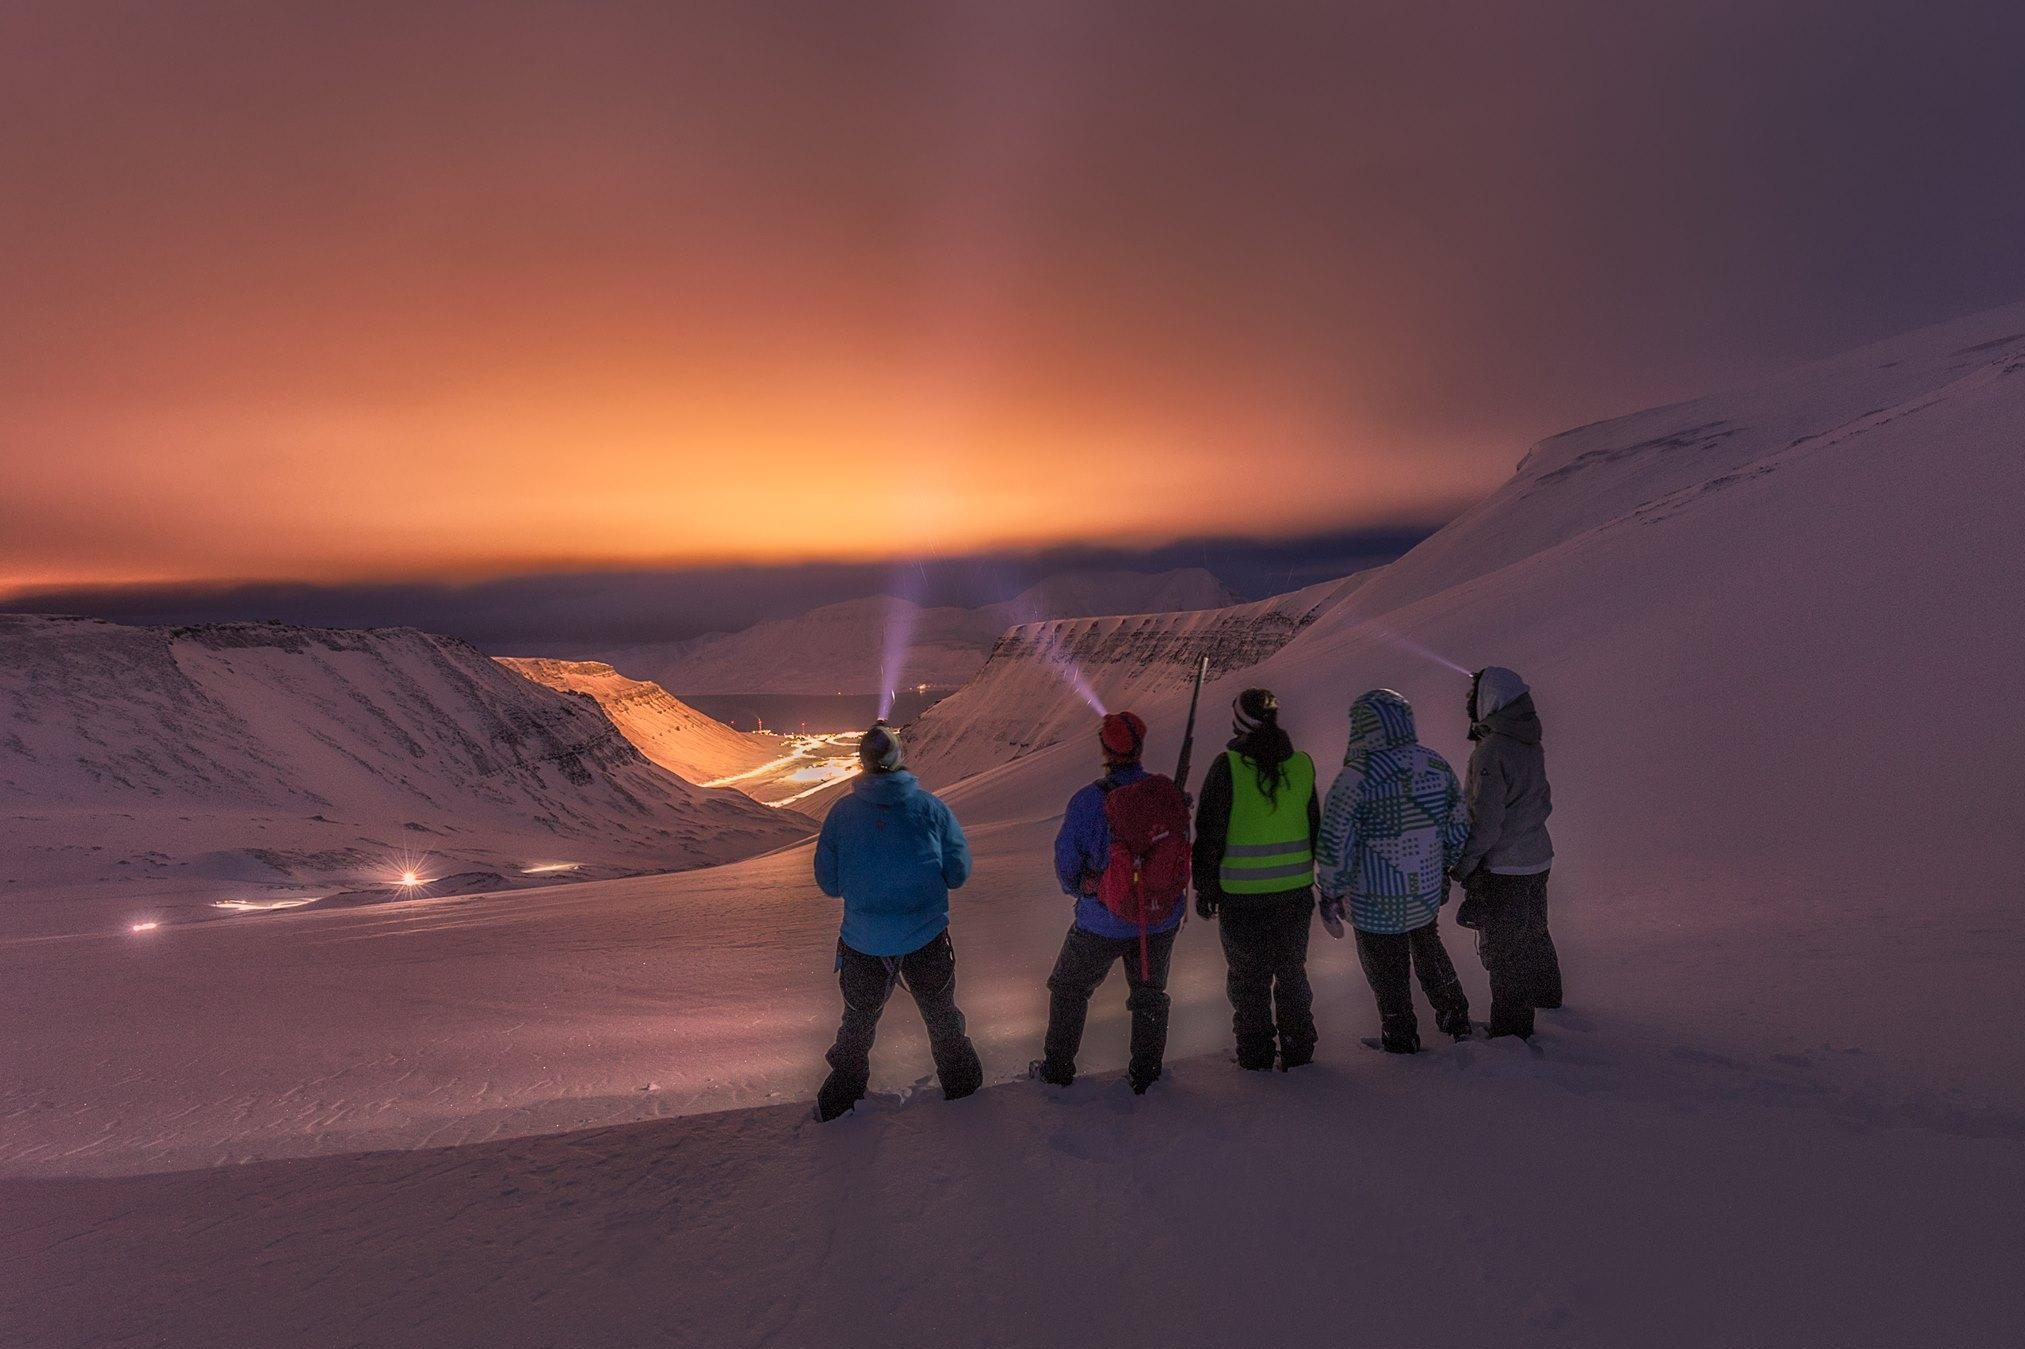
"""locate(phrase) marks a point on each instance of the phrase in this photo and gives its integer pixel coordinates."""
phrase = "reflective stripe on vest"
(1266, 849)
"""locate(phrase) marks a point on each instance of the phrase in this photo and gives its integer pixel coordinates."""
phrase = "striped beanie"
(1252, 709)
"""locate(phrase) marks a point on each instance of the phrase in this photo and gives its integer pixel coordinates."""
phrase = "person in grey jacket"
(1506, 859)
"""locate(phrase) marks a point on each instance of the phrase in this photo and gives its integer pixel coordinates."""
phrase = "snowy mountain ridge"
(268, 753)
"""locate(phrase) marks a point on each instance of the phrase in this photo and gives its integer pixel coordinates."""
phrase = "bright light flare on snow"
(546, 868)
(149, 926)
(1407, 644)
(410, 878)
(1065, 667)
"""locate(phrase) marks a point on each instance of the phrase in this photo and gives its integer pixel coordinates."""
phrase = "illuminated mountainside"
(665, 729)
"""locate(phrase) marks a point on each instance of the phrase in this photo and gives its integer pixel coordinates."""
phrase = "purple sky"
(421, 292)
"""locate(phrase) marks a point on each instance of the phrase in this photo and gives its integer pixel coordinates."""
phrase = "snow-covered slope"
(839, 648)
(1801, 592)
(661, 726)
(1773, 631)
(230, 757)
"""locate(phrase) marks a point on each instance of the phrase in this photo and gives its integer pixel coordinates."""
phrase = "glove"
(1206, 904)
(1470, 913)
(1332, 914)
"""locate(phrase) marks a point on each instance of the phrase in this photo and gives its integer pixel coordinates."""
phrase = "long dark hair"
(1255, 718)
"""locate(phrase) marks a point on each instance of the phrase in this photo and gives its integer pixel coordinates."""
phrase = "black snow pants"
(1265, 942)
(1387, 958)
(1517, 950)
(868, 981)
(1083, 965)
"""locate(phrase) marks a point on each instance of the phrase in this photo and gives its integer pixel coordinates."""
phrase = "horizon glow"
(321, 296)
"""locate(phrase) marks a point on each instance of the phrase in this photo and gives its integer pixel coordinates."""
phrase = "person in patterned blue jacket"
(1098, 938)
(1393, 825)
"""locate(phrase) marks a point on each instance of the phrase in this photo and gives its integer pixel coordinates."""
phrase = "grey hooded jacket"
(1506, 789)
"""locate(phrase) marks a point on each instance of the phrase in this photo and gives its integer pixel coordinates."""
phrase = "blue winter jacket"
(892, 853)
(1083, 850)
(1394, 822)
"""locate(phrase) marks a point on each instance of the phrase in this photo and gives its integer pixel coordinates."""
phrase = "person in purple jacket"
(1099, 938)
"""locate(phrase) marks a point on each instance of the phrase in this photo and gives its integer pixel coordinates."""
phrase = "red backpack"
(1147, 874)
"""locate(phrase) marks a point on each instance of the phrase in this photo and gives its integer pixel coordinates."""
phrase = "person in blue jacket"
(893, 852)
(1098, 938)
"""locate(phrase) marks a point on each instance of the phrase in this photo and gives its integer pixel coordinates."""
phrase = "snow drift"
(156, 758)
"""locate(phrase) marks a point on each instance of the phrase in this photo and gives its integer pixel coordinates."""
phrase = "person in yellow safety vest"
(1255, 834)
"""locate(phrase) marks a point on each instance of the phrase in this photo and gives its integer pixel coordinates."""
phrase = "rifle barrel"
(1188, 733)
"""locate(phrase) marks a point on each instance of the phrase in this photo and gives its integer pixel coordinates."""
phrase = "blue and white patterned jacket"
(1394, 822)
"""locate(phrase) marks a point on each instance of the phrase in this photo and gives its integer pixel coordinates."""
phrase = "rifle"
(1188, 734)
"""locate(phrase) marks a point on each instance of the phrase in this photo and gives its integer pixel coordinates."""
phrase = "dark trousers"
(868, 981)
(1083, 965)
(1517, 950)
(1387, 958)
(1265, 943)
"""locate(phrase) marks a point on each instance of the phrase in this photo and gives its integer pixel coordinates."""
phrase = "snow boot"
(1391, 1046)
(829, 1108)
(1039, 1071)
(958, 1069)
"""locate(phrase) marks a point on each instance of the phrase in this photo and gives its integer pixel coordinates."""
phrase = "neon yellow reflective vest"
(1267, 848)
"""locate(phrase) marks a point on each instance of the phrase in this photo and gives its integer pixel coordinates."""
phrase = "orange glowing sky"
(333, 292)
